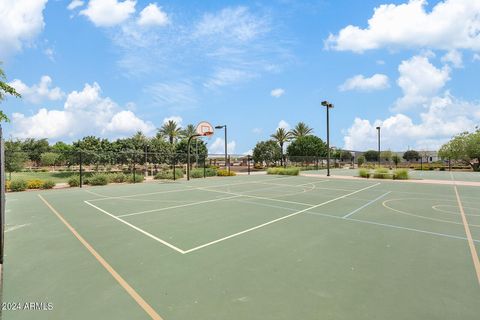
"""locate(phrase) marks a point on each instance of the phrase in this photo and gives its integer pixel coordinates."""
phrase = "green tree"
(6, 89)
(49, 159)
(65, 153)
(464, 147)
(171, 130)
(267, 152)
(371, 155)
(281, 136)
(411, 155)
(360, 160)
(189, 131)
(396, 159)
(181, 150)
(34, 148)
(160, 151)
(15, 158)
(306, 147)
(301, 130)
(386, 155)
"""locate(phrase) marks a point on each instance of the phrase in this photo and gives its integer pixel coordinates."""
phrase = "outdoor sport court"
(246, 247)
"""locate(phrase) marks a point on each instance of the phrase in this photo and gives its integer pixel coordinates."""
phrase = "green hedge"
(168, 174)
(401, 174)
(290, 171)
(48, 184)
(18, 185)
(98, 179)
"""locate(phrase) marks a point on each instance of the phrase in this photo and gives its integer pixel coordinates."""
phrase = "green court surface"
(414, 174)
(245, 247)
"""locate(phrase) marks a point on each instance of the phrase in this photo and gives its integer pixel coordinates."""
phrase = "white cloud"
(50, 53)
(173, 95)
(283, 124)
(177, 119)
(127, 121)
(248, 152)
(218, 147)
(38, 92)
(380, 62)
(451, 24)
(476, 57)
(359, 82)
(108, 13)
(419, 81)
(444, 117)
(152, 15)
(257, 130)
(227, 76)
(21, 21)
(277, 93)
(237, 23)
(85, 112)
(75, 4)
(454, 57)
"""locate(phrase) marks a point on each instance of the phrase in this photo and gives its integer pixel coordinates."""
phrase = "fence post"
(248, 164)
(81, 168)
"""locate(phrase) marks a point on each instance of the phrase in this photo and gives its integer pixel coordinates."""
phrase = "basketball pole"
(188, 154)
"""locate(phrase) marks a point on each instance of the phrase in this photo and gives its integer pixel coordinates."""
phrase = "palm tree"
(281, 136)
(301, 130)
(189, 131)
(171, 130)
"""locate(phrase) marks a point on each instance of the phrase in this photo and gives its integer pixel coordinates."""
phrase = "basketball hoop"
(205, 129)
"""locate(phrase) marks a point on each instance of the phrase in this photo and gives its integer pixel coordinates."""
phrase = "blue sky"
(110, 68)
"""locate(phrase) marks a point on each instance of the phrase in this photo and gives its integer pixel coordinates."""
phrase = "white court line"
(189, 188)
(363, 221)
(276, 220)
(178, 206)
(171, 246)
(365, 205)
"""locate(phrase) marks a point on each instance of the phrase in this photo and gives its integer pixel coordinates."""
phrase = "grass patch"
(291, 171)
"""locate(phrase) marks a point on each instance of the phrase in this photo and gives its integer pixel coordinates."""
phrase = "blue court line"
(365, 205)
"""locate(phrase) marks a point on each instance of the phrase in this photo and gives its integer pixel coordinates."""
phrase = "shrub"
(364, 173)
(138, 178)
(211, 172)
(168, 174)
(34, 184)
(117, 177)
(196, 173)
(49, 184)
(442, 169)
(225, 173)
(74, 181)
(18, 185)
(7, 185)
(401, 174)
(381, 173)
(290, 171)
(98, 179)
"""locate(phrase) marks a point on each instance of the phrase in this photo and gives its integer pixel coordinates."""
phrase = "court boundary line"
(120, 280)
(365, 205)
(365, 221)
(171, 246)
(471, 244)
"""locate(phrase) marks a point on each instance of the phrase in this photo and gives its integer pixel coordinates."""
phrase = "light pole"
(227, 166)
(378, 130)
(328, 106)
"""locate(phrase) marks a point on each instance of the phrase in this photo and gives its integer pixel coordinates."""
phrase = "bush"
(364, 173)
(117, 177)
(401, 174)
(49, 184)
(442, 169)
(98, 179)
(211, 172)
(225, 173)
(196, 173)
(168, 174)
(381, 173)
(18, 185)
(284, 171)
(7, 185)
(34, 184)
(138, 178)
(74, 181)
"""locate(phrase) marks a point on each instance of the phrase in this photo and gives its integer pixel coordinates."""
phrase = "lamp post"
(328, 106)
(227, 166)
(378, 130)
